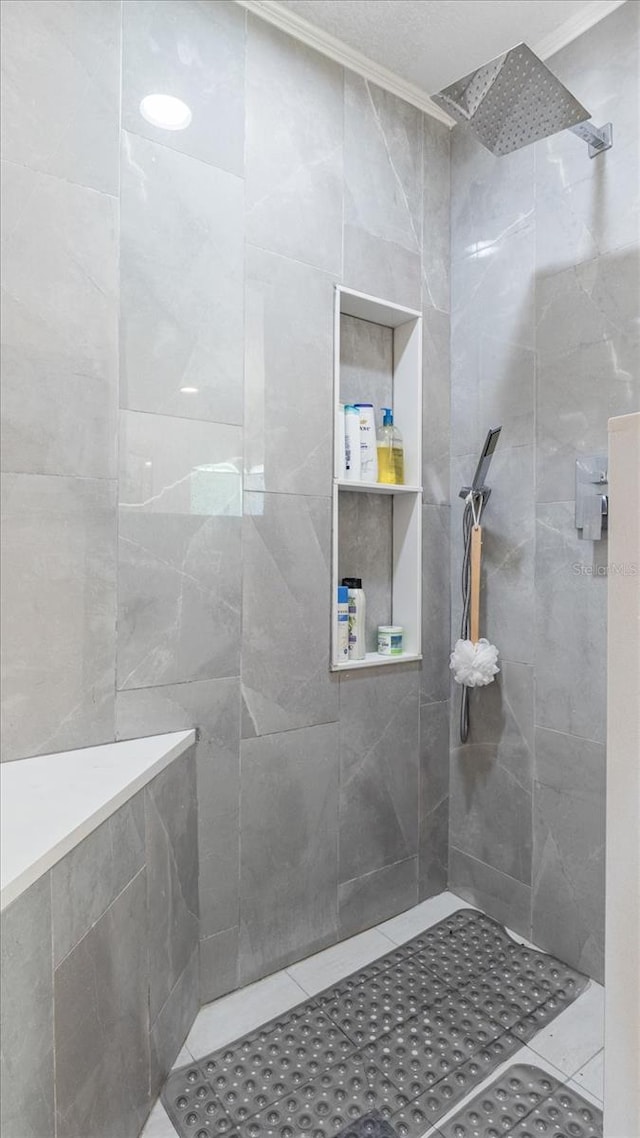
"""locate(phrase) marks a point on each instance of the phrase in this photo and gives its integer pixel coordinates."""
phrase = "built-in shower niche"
(376, 527)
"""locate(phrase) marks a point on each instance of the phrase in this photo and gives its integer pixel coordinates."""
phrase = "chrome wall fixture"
(592, 498)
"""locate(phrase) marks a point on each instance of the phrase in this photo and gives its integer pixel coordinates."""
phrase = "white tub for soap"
(390, 640)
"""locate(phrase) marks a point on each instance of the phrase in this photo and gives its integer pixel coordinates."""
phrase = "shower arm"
(598, 138)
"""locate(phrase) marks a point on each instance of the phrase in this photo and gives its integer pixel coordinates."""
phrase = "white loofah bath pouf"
(474, 665)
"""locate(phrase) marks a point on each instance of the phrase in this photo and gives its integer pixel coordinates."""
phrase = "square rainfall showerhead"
(512, 101)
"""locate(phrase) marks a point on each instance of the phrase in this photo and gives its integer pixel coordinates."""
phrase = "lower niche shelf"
(375, 660)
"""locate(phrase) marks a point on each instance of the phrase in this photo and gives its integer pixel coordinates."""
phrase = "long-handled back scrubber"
(474, 661)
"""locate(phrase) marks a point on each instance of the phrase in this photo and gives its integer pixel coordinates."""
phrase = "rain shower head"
(515, 100)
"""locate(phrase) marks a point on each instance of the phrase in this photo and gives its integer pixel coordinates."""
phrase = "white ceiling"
(431, 43)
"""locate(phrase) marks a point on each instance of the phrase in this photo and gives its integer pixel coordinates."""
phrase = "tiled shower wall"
(545, 279)
(141, 594)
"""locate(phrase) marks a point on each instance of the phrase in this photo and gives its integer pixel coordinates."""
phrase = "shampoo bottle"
(368, 456)
(390, 451)
(351, 442)
(342, 631)
(357, 613)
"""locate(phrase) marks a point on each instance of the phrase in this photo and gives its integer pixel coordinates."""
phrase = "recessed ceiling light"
(189, 390)
(165, 111)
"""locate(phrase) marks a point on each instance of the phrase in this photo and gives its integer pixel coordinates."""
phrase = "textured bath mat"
(527, 1102)
(371, 1126)
(404, 1039)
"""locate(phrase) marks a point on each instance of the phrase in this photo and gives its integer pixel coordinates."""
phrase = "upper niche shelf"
(375, 487)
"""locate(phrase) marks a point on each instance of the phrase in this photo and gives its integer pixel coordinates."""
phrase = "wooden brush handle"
(476, 547)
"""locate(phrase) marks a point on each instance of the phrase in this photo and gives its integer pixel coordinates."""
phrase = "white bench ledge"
(51, 802)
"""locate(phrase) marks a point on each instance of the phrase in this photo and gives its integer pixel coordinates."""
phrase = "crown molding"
(575, 26)
(354, 60)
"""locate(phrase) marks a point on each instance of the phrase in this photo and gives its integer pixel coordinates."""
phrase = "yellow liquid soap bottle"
(390, 451)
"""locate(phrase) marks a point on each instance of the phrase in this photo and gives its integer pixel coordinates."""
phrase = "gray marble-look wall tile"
(173, 1023)
(433, 851)
(570, 642)
(181, 348)
(59, 326)
(436, 648)
(27, 1104)
(366, 362)
(218, 964)
(492, 385)
(86, 881)
(493, 288)
(194, 51)
(59, 611)
(171, 820)
(383, 192)
(289, 847)
(365, 550)
(180, 537)
(377, 896)
(588, 344)
(102, 1024)
(379, 769)
(288, 375)
(600, 67)
(569, 837)
(492, 196)
(434, 755)
(491, 775)
(61, 89)
(285, 628)
(436, 211)
(502, 897)
(436, 399)
(293, 148)
(213, 706)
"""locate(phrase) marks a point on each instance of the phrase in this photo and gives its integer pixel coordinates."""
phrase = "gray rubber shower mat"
(401, 1041)
(528, 1103)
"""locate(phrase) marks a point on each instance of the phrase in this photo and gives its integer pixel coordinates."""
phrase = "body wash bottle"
(357, 614)
(390, 451)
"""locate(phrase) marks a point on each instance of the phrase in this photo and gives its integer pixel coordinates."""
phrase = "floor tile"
(234, 1015)
(183, 1058)
(332, 964)
(576, 1035)
(421, 917)
(589, 1080)
(158, 1124)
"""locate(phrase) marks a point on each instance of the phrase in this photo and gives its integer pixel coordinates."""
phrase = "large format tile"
(590, 1078)
(289, 847)
(59, 326)
(491, 775)
(195, 52)
(173, 1022)
(383, 191)
(366, 362)
(61, 89)
(503, 897)
(492, 196)
(293, 148)
(433, 850)
(285, 647)
(232, 1016)
(59, 602)
(172, 877)
(90, 877)
(101, 1025)
(436, 644)
(436, 412)
(576, 1035)
(27, 1015)
(405, 927)
(379, 765)
(569, 835)
(218, 964)
(288, 375)
(434, 798)
(182, 348)
(588, 342)
(436, 209)
(180, 534)
(330, 966)
(213, 707)
(570, 643)
(377, 896)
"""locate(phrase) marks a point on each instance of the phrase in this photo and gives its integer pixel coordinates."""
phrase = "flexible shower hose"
(467, 525)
